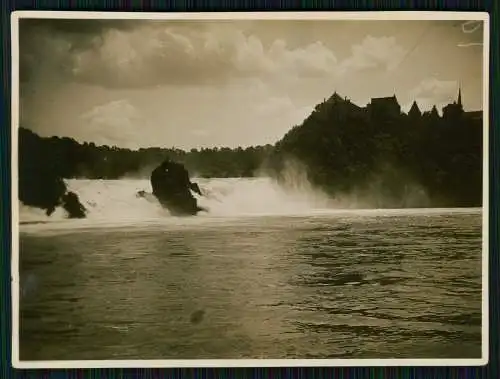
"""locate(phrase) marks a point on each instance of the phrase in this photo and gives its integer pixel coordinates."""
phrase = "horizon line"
(262, 145)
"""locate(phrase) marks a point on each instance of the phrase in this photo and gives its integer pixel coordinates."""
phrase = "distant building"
(387, 108)
(414, 112)
(335, 99)
(433, 114)
(384, 107)
(342, 106)
(454, 110)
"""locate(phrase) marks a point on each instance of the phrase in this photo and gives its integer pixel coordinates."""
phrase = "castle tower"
(414, 111)
(434, 112)
(455, 110)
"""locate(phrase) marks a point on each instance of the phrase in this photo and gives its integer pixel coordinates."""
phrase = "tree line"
(71, 159)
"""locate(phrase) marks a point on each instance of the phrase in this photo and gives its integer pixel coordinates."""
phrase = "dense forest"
(71, 159)
(344, 149)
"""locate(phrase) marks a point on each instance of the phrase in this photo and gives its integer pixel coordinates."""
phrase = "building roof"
(386, 100)
(335, 97)
(414, 110)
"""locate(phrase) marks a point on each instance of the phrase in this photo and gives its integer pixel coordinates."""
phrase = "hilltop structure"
(384, 107)
(454, 110)
(341, 104)
(387, 108)
(392, 157)
(415, 112)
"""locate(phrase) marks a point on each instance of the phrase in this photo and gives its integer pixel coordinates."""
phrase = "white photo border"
(334, 15)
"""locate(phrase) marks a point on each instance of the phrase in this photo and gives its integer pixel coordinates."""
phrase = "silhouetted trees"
(67, 158)
(349, 151)
(43, 163)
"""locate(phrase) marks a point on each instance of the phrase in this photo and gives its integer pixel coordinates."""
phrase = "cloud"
(373, 52)
(115, 123)
(432, 91)
(311, 60)
(47, 45)
(154, 55)
(159, 53)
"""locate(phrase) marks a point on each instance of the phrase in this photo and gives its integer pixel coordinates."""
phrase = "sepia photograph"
(267, 188)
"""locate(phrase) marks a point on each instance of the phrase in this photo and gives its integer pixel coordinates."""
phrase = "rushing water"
(263, 276)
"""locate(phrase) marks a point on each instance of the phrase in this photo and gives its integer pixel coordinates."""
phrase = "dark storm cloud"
(131, 54)
(117, 53)
(46, 45)
(147, 53)
(75, 26)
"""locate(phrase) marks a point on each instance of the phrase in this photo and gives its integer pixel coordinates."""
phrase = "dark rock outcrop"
(72, 205)
(40, 184)
(41, 190)
(172, 187)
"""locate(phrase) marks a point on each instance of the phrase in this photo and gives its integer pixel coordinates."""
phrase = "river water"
(267, 281)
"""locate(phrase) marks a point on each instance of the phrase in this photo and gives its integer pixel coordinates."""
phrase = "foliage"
(70, 159)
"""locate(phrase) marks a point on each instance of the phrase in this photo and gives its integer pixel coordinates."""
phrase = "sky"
(193, 84)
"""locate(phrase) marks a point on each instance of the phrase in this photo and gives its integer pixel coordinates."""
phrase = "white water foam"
(118, 200)
(115, 202)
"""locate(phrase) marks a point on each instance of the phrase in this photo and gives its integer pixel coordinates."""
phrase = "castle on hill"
(389, 107)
